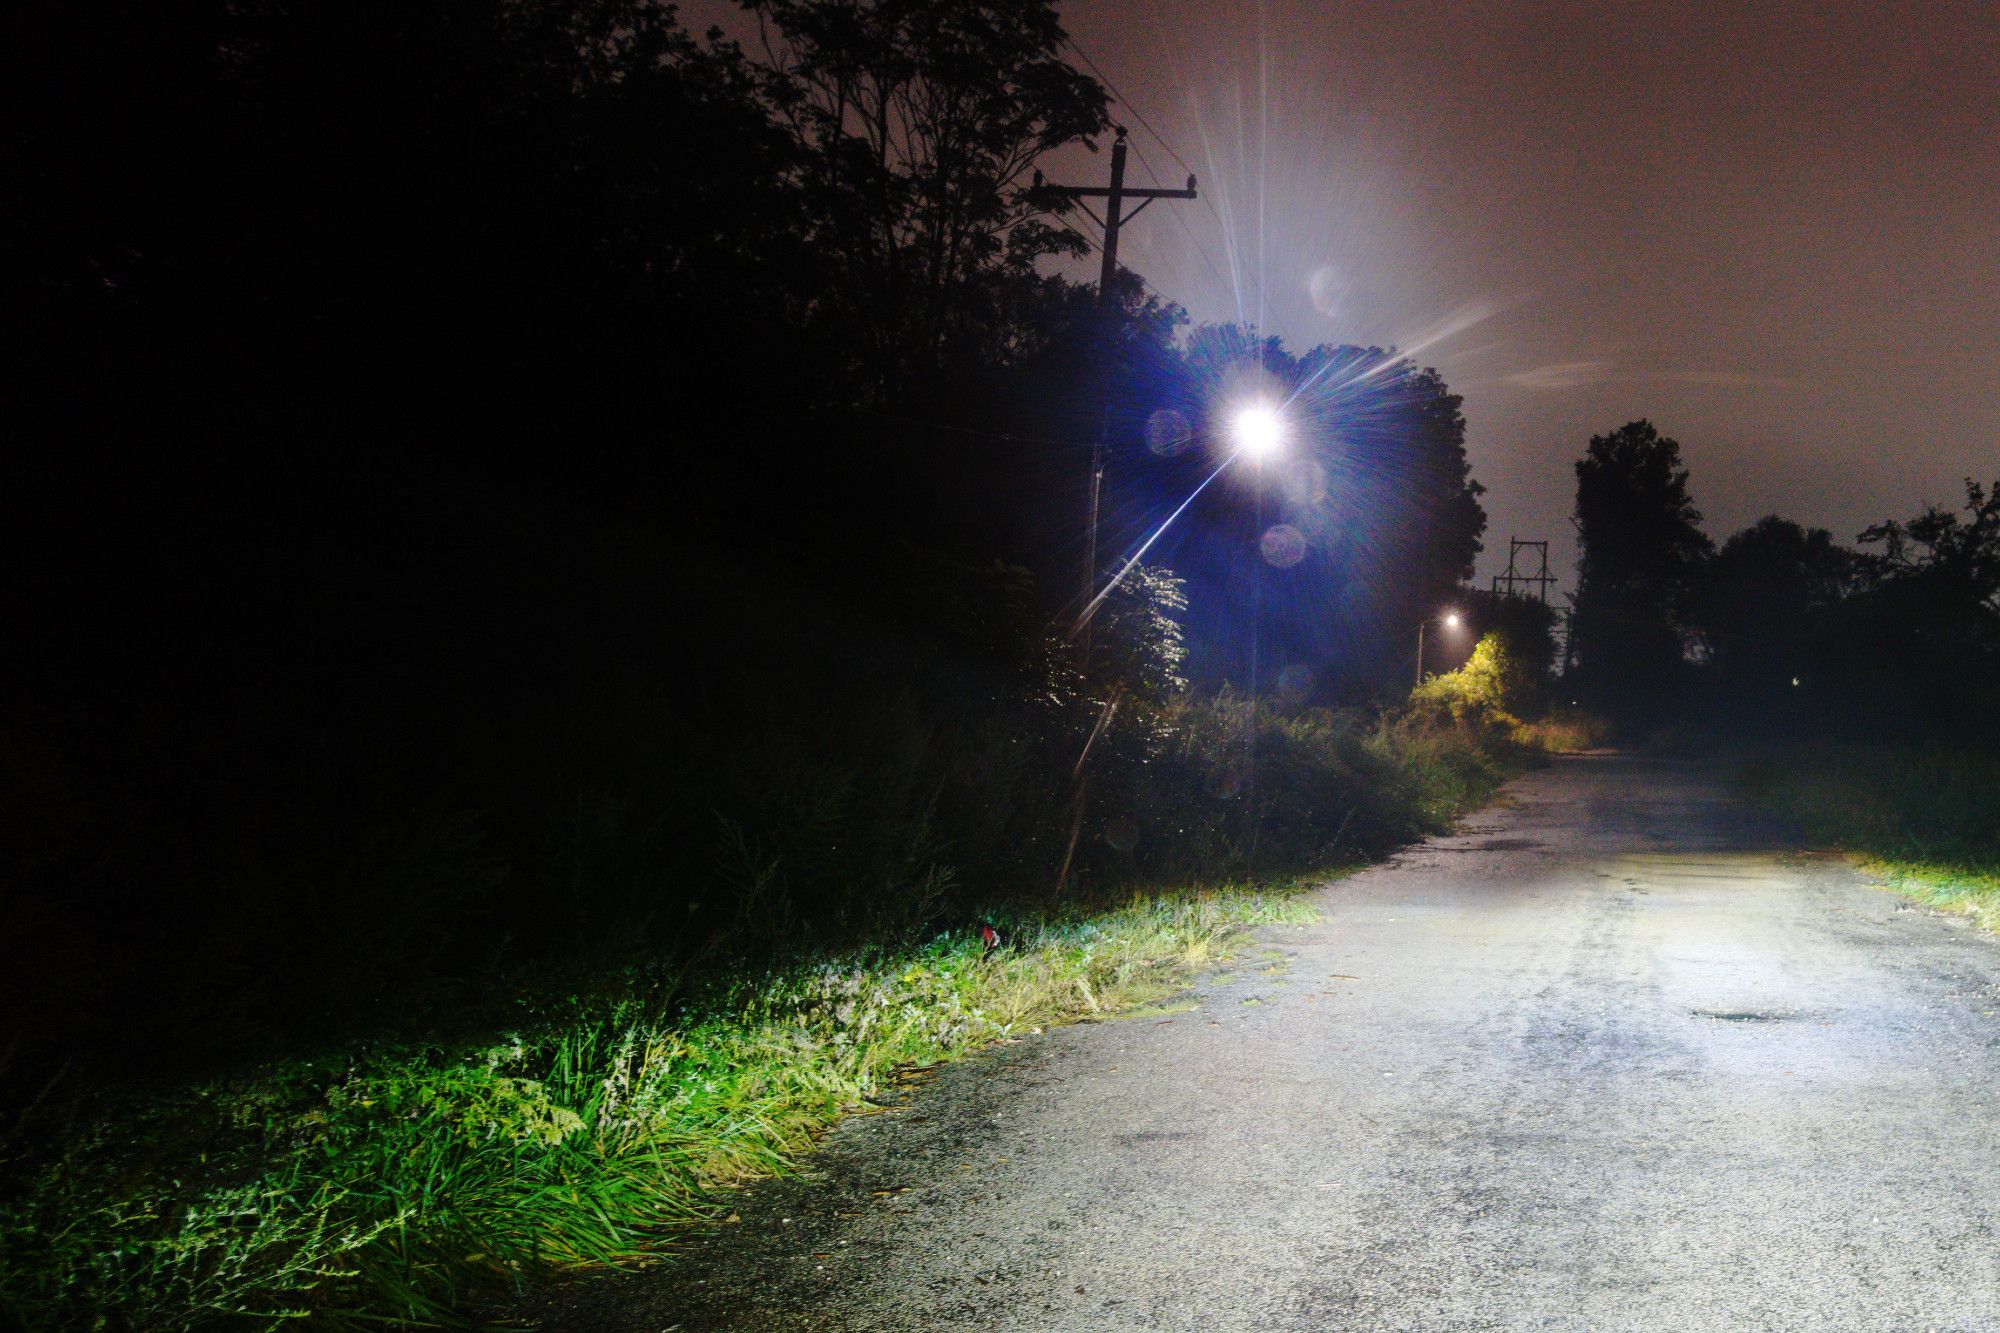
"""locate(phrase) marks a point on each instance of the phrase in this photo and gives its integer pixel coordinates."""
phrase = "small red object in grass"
(989, 937)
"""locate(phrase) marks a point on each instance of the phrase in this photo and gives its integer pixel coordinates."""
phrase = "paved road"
(1612, 1056)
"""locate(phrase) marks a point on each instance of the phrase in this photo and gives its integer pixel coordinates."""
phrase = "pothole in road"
(1495, 845)
(1741, 1015)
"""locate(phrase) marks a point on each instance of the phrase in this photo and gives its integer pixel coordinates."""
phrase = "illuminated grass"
(1563, 731)
(386, 1186)
(1926, 819)
(1944, 886)
(398, 1185)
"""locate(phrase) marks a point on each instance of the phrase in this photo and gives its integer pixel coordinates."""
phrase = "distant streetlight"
(1259, 432)
(1449, 620)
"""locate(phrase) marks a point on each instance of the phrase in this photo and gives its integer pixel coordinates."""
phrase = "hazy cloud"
(1580, 374)
(1563, 375)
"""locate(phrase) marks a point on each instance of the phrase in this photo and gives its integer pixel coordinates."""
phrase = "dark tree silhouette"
(1921, 639)
(1641, 558)
(1764, 608)
(458, 431)
(918, 126)
(1960, 554)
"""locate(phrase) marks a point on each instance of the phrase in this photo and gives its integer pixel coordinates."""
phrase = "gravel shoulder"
(1615, 1054)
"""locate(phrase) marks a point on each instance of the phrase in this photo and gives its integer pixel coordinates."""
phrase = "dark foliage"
(1921, 636)
(1642, 555)
(1783, 632)
(511, 482)
(1899, 644)
(1766, 606)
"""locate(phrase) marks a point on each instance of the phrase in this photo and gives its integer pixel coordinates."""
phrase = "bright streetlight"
(1259, 432)
(1449, 620)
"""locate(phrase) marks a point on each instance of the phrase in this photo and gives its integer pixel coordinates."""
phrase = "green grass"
(387, 1186)
(391, 1184)
(1926, 819)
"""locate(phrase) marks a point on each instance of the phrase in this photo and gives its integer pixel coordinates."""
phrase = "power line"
(1263, 301)
(1127, 103)
(1194, 241)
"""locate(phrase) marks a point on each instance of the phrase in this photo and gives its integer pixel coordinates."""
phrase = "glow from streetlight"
(1451, 620)
(1259, 432)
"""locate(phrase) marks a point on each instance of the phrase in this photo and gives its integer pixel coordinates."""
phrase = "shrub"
(1563, 731)
(1478, 694)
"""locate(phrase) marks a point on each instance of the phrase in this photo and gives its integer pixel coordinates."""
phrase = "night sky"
(1774, 229)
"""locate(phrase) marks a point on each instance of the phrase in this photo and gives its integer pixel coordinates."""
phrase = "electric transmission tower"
(1518, 577)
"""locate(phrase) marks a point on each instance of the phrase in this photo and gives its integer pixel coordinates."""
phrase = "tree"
(1921, 638)
(1763, 608)
(1642, 555)
(1487, 692)
(1962, 556)
(1525, 626)
(918, 126)
(470, 215)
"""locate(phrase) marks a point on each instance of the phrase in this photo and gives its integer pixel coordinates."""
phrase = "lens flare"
(1168, 433)
(1283, 546)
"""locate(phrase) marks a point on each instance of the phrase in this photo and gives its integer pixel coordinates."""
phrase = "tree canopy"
(1642, 550)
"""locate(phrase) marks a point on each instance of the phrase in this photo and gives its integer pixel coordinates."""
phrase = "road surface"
(1612, 1056)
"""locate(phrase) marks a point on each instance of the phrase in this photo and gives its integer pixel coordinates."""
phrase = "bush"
(750, 904)
(1563, 731)
(1478, 694)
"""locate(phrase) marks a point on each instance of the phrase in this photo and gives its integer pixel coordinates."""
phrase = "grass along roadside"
(1926, 820)
(398, 1183)
(388, 1186)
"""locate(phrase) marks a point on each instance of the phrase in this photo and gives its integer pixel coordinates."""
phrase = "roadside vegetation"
(1564, 731)
(812, 909)
(391, 1183)
(1925, 818)
(399, 1181)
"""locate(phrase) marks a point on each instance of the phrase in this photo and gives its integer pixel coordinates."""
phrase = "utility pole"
(1115, 217)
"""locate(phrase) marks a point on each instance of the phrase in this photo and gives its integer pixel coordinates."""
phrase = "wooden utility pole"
(1115, 217)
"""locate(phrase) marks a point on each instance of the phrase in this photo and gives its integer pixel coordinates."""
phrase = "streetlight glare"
(1260, 432)
(1451, 620)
